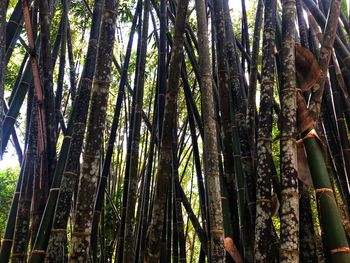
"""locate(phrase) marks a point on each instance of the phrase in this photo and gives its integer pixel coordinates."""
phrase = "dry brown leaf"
(304, 120)
(231, 248)
(304, 174)
(275, 204)
(307, 68)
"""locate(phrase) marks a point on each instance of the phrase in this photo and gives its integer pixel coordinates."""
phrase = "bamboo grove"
(174, 131)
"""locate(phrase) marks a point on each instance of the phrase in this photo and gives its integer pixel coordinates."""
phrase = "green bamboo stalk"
(13, 30)
(333, 234)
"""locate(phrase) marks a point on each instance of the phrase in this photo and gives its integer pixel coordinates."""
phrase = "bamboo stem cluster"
(192, 141)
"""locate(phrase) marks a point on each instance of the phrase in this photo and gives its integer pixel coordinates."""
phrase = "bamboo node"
(10, 117)
(79, 123)
(346, 60)
(67, 137)
(87, 79)
(263, 200)
(265, 139)
(58, 230)
(323, 190)
(289, 250)
(340, 250)
(54, 189)
(286, 137)
(267, 82)
(37, 251)
(81, 233)
(102, 81)
(291, 89)
(217, 231)
(110, 11)
(6, 240)
(311, 134)
(70, 174)
(289, 192)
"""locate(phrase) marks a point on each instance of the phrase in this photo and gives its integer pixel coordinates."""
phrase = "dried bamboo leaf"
(275, 204)
(231, 248)
(304, 120)
(304, 174)
(307, 68)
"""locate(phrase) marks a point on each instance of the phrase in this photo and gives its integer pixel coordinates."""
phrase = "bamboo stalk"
(289, 246)
(115, 121)
(68, 162)
(3, 9)
(333, 234)
(253, 74)
(129, 242)
(263, 249)
(47, 82)
(90, 167)
(7, 241)
(156, 225)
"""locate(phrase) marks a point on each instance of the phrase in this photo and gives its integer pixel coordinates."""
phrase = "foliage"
(8, 179)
